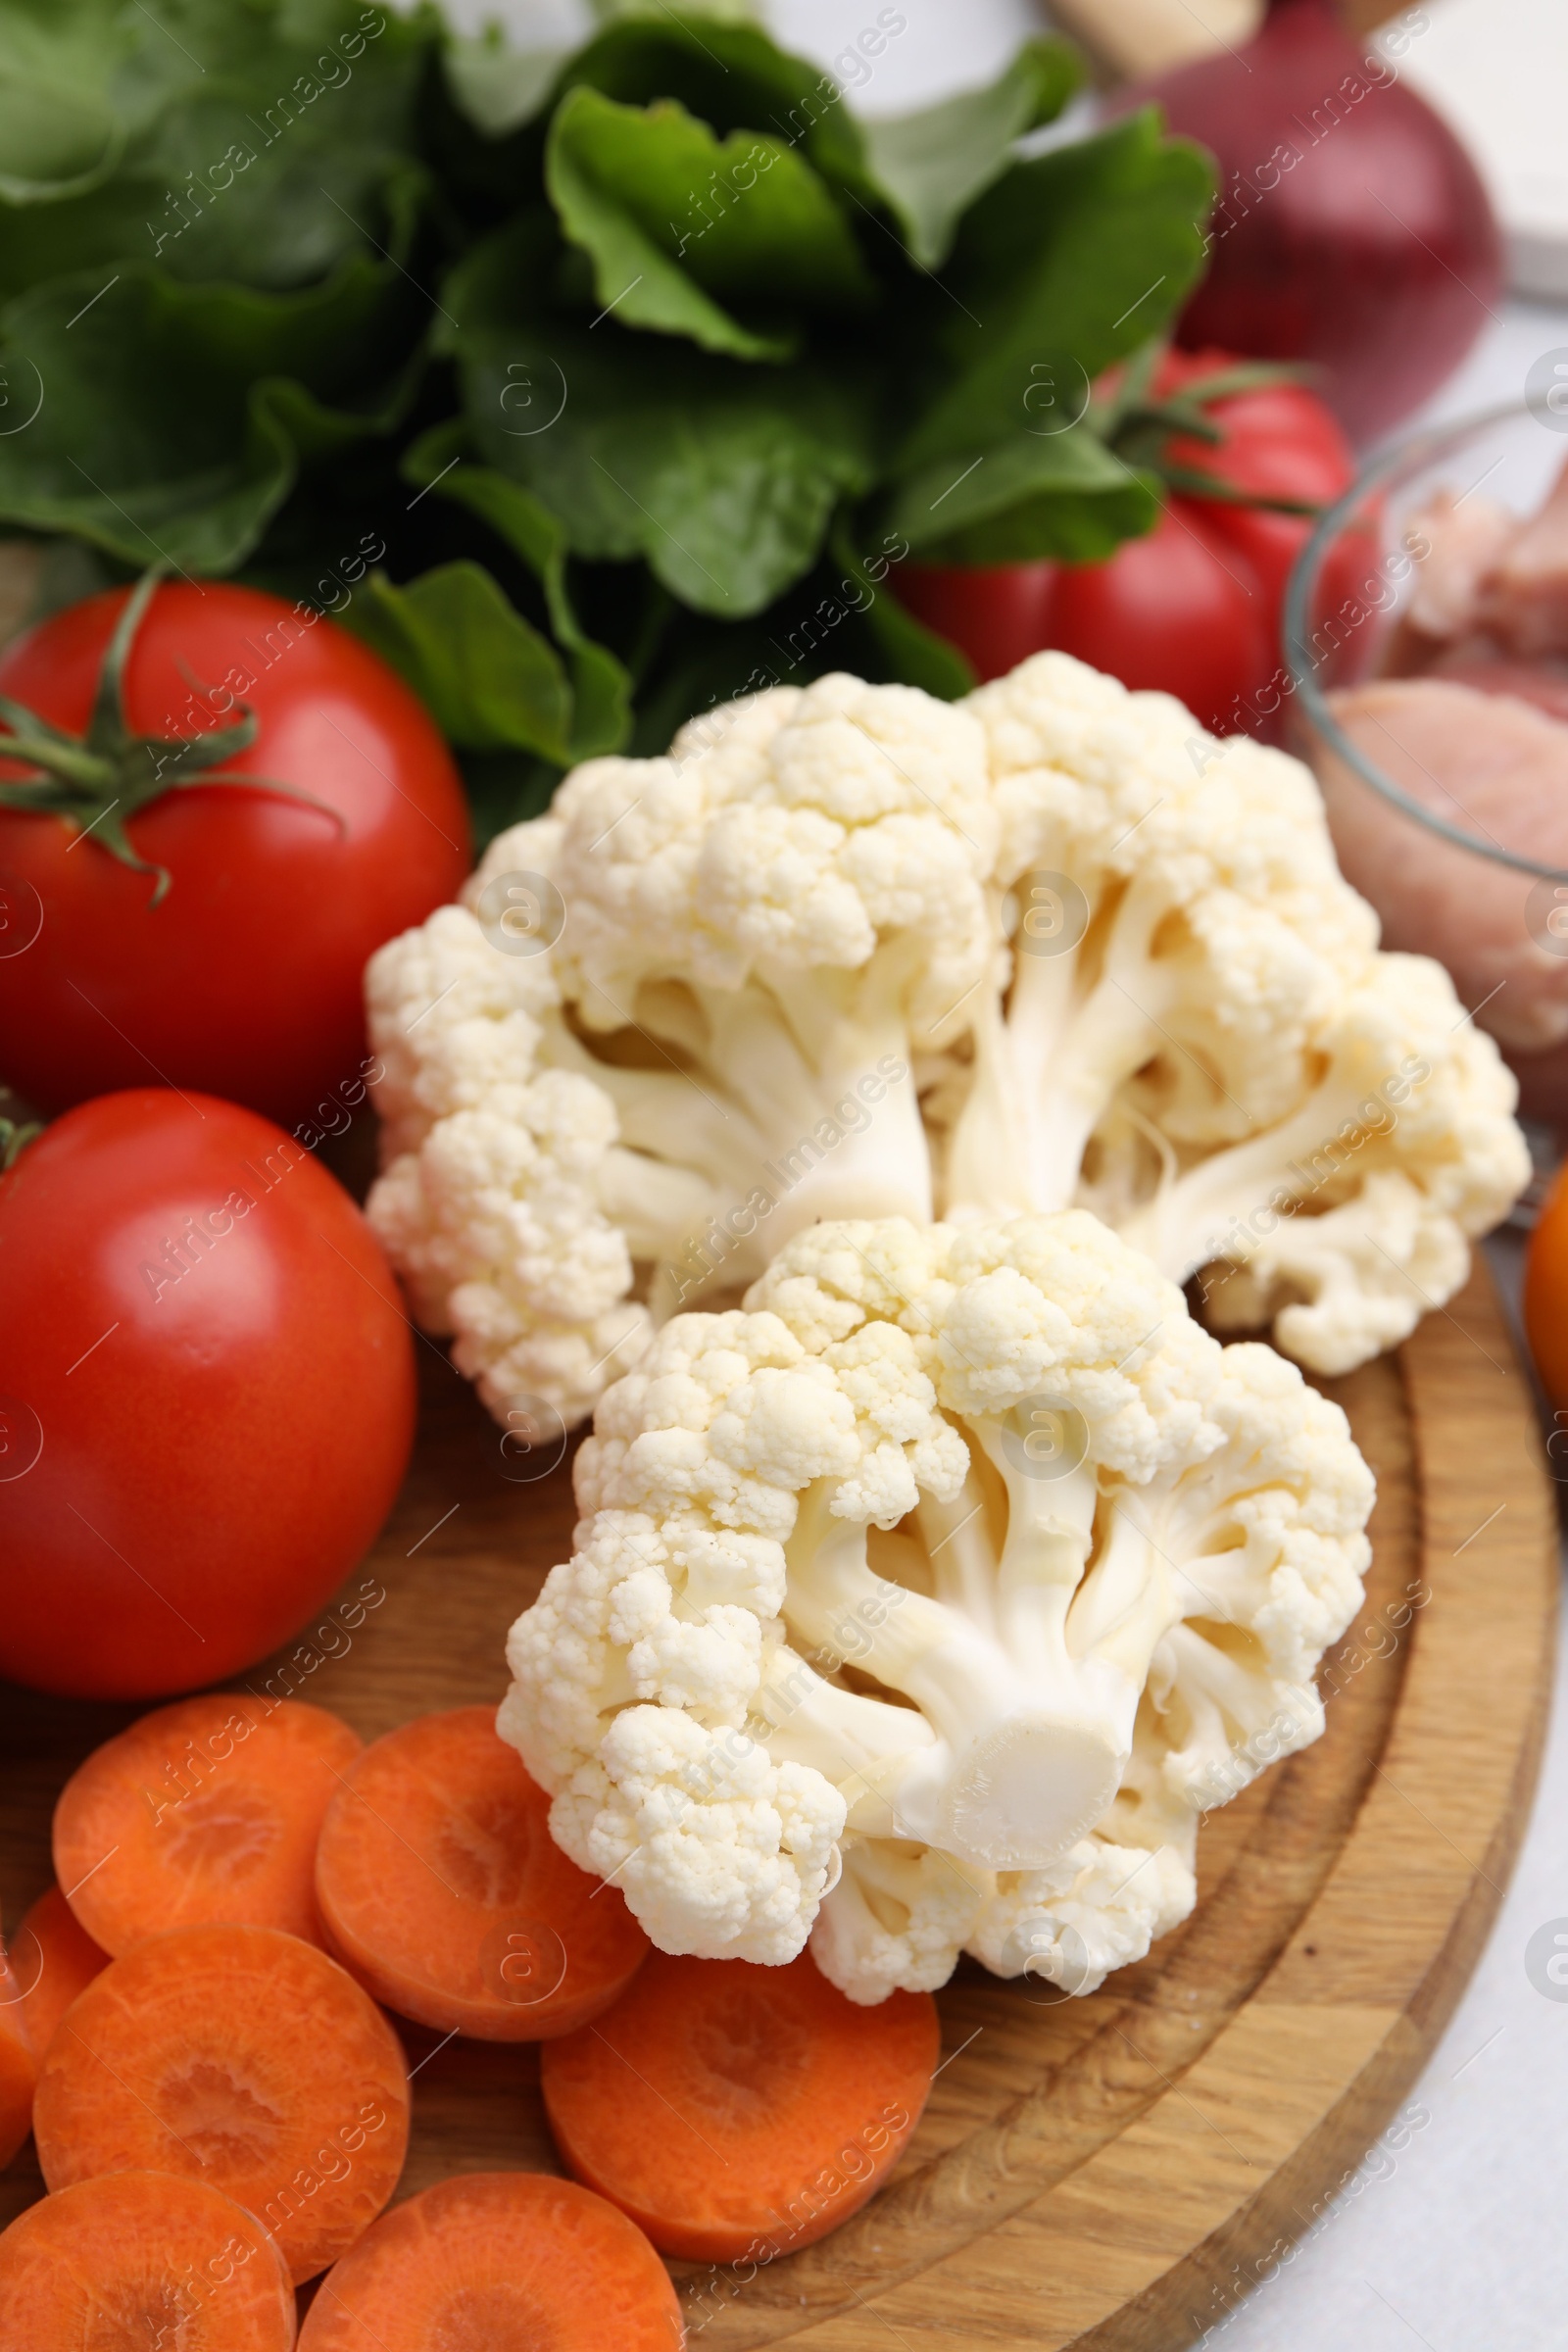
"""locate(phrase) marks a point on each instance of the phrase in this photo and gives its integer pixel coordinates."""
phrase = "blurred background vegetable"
(645, 362)
(1247, 458)
(1351, 230)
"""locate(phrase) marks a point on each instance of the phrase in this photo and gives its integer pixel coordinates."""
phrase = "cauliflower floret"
(490, 1212)
(1100, 1906)
(709, 1044)
(714, 1846)
(896, 1919)
(1200, 1038)
(1081, 1552)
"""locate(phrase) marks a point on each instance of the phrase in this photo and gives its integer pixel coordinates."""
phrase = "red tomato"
(1191, 610)
(210, 1395)
(1195, 608)
(244, 979)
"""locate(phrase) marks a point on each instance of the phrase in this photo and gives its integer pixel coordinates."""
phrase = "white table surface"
(1457, 2240)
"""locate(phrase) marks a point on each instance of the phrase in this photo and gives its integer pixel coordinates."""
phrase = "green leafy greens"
(646, 364)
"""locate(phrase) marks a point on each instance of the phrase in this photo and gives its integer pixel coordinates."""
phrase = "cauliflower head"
(1200, 1040)
(924, 1602)
(712, 1043)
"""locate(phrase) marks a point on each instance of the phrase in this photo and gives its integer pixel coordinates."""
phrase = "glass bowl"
(1445, 815)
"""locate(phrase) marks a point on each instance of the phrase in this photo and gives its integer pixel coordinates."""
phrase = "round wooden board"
(1100, 2173)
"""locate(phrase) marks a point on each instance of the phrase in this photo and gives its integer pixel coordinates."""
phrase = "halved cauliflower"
(923, 1603)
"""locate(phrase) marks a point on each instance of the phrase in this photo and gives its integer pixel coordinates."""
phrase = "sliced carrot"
(142, 2259)
(241, 2057)
(441, 1889)
(740, 2111)
(498, 2261)
(53, 1958)
(19, 2063)
(205, 1810)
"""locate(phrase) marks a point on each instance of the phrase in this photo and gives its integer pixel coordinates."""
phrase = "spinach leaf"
(930, 166)
(723, 476)
(674, 218)
(490, 681)
(169, 420)
(913, 654)
(1071, 259)
(1056, 494)
(262, 144)
(600, 686)
(732, 77)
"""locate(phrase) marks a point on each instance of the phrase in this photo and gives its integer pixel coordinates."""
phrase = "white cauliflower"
(759, 934)
(961, 1561)
(779, 989)
(1201, 1042)
(771, 923)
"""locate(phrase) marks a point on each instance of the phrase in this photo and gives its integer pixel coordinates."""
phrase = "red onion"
(1352, 228)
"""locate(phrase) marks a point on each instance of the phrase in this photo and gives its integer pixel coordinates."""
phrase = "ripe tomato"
(244, 977)
(1177, 610)
(1195, 608)
(210, 1395)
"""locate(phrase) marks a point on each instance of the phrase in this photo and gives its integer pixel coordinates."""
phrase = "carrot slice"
(734, 2110)
(241, 2057)
(205, 1810)
(142, 2259)
(441, 1889)
(19, 2063)
(53, 1958)
(498, 2261)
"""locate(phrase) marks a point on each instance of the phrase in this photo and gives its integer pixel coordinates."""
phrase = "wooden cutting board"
(1102, 2173)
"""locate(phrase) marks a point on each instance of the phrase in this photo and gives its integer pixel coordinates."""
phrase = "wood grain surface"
(1109, 2172)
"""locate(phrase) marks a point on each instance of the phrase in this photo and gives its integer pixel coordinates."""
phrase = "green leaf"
(601, 716)
(915, 654)
(1062, 494)
(732, 77)
(1071, 259)
(673, 218)
(169, 418)
(930, 166)
(60, 134)
(724, 476)
(490, 681)
(263, 143)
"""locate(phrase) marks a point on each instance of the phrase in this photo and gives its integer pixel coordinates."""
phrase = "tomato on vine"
(214, 806)
(1246, 460)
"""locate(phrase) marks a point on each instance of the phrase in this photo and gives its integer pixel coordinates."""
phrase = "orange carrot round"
(53, 1958)
(738, 2111)
(441, 1889)
(489, 2261)
(19, 2063)
(241, 2057)
(144, 2259)
(205, 1810)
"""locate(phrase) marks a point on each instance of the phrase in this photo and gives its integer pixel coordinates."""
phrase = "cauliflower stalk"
(1201, 1042)
(922, 1604)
